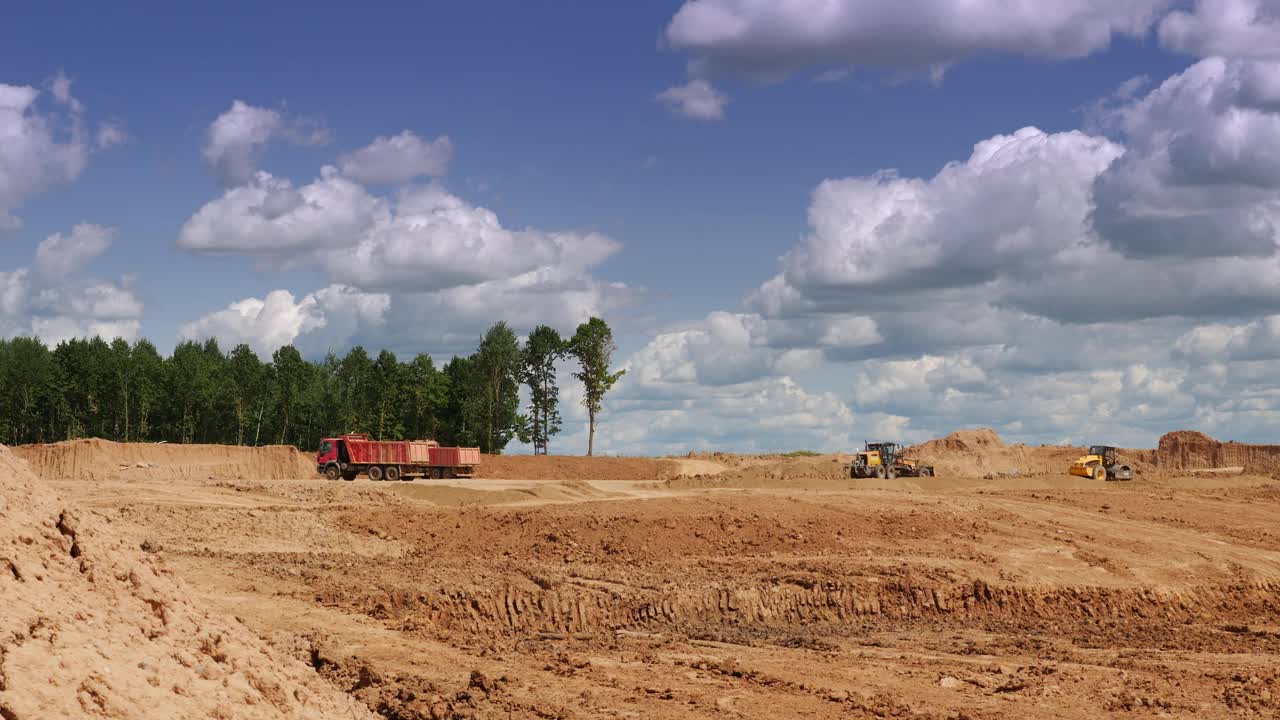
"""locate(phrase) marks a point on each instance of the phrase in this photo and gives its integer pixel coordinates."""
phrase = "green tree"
(290, 375)
(190, 387)
(497, 368)
(386, 397)
(28, 390)
(541, 352)
(354, 391)
(148, 371)
(464, 412)
(424, 394)
(592, 344)
(248, 390)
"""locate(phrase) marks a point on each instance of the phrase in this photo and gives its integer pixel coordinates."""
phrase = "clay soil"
(724, 586)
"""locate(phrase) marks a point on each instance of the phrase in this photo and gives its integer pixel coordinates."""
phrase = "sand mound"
(105, 460)
(1191, 450)
(980, 452)
(564, 467)
(93, 627)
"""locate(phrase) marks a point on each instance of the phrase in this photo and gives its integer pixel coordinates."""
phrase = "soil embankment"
(1190, 450)
(94, 627)
(95, 459)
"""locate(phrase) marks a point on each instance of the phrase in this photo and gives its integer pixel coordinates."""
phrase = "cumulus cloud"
(269, 217)
(659, 406)
(425, 238)
(42, 146)
(772, 38)
(695, 99)
(336, 313)
(398, 159)
(1201, 173)
(238, 137)
(1227, 28)
(1013, 227)
(49, 299)
(60, 255)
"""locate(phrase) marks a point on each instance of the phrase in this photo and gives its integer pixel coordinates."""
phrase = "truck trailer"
(347, 456)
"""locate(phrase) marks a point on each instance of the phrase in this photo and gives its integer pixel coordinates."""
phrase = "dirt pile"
(105, 460)
(968, 453)
(564, 467)
(1191, 450)
(93, 627)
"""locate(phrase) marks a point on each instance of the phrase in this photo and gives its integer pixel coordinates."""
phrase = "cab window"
(325, 447)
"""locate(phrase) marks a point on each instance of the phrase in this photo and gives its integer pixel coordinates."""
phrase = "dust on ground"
(745, 586)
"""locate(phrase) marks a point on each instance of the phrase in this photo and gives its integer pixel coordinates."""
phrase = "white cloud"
(60, 255)
(238, 137)
(110, 134)
(880, 242)
(39, 149)
(772, 38)
(1201, 174)
(333, 314)
(695, 99)
(398, 159)
(424, 239)
(50, 301)
(269, 217)
(1228, 28)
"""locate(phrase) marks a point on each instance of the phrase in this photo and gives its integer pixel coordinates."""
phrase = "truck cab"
(333, 453)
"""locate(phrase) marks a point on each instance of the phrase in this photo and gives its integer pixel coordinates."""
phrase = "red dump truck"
(346, 456)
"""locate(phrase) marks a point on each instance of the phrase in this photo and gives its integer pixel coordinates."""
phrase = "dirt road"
(743, 592)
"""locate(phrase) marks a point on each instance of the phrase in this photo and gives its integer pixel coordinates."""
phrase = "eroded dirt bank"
(93, 625)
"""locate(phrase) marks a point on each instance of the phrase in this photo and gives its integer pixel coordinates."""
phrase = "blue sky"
(554, 124)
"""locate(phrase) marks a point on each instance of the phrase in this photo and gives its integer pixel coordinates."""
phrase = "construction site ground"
(719, 586)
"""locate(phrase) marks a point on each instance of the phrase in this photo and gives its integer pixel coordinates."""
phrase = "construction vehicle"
(884, 460)
(346, 456)
(1101, 464)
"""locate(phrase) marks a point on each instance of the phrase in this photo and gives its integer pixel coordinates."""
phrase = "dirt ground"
(725, 586)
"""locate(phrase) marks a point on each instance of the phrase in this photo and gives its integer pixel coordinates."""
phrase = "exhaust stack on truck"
(347, 456)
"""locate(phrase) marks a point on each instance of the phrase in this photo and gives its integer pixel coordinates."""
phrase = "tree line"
(128, 392)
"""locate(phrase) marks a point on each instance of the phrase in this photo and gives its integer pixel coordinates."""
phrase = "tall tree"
(28, 390)
(497, 367)
(592, 344)
(290, 374)
(425, 395)
(464, 413)
(148, 370)
(386, 397)
(541, 352)
(248, 390)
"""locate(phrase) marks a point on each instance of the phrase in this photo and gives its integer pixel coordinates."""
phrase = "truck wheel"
(926, 472)
(332, 472)
(393, 473)
(375, 473)
(1099, 473)
(349, 475)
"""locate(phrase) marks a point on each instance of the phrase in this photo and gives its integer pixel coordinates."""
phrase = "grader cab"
(884, 460)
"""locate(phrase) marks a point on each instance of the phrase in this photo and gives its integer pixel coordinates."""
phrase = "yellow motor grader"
(1101, 464)
(883, 460)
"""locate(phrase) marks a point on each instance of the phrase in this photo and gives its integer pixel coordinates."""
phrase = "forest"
(128, 392)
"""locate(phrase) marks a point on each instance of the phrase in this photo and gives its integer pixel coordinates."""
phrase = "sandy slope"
(92, 626)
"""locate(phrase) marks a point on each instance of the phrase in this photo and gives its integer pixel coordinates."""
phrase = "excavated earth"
(726, 586)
